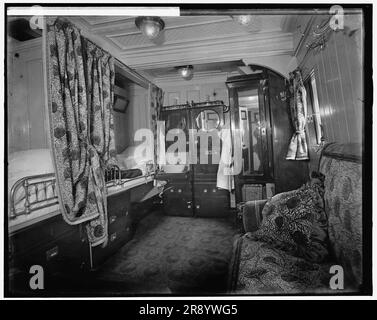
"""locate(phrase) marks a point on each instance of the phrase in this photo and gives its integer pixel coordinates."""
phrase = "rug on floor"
(178, 255)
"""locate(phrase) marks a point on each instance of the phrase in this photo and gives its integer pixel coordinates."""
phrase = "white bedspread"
(29, 163)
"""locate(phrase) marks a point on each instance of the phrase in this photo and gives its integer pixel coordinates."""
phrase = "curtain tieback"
(300, 131)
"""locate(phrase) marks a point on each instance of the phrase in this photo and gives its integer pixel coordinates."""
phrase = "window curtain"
(298, 148)
(81, 83)
(157, 101)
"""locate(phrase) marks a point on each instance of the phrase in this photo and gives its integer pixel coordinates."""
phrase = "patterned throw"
(342, 166)
(263, 267)
(298, 148)
(81, 83)
(296, 222)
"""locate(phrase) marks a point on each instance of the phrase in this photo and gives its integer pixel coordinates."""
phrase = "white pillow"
(132, 158)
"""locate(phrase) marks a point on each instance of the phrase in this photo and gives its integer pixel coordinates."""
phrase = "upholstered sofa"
(260, 267)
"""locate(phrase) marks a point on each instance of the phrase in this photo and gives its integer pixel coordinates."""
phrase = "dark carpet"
(173, 255)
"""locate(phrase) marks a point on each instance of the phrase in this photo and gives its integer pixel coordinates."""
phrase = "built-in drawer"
(120, 218)
(178, 200)
(118, 236)
(118, 204)
(211, 201)
(120, 228)
(52, 244)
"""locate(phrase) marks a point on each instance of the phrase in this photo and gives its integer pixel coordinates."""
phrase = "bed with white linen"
(32, 194)
(135, 157)
(31, 187)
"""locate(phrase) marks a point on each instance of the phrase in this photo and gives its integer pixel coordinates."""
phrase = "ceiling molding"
(105, 20)
(215, 52)
(288, 23)
(143, 55)
(304, 35)
(170, 61)
(223, 41)
(140, 42)
(14, 45)
(199, 78)
(117, 28)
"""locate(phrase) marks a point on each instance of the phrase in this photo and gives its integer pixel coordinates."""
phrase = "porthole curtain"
(298, 147)
(81, 91)
(157, 101)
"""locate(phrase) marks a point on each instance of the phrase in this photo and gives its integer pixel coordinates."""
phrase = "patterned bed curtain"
(157, 101)
(298, 148)
(81, 79)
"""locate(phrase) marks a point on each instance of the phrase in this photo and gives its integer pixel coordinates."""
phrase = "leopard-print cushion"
(296, 222)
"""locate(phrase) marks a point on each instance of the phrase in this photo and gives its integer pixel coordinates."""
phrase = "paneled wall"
(27, 116)
(338, 73)
(137, 116)
(198, 89)
(27, 112)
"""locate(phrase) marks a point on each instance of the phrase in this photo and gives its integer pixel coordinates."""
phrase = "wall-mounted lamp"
(186, 72)
(151, 27)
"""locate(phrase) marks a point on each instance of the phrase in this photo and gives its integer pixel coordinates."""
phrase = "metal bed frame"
(38, 183)
(42, 182)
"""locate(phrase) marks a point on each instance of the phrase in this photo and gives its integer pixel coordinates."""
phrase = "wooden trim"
(130, 74)
(25, 45)
(304, 36)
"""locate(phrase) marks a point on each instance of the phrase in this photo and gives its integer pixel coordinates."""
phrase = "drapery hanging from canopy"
(81, 84)
(298, 148)
(157, 101)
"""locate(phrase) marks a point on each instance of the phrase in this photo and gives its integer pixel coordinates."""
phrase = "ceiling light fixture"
(151, 27)
(244, 20)
(186, 72)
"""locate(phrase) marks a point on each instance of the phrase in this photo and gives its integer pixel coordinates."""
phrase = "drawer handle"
(126, 213)
(112, 219)
(171, 190)
(52, 253)
(197, 206)
(205, 190)
(179, 190)
(113, 236)
(214, 190)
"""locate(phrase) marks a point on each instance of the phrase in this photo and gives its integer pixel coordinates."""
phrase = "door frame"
(258, 81)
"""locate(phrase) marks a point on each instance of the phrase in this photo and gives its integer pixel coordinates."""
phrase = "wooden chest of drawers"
(209, 201)
(52, 244)
(178, 199)
(120, 228)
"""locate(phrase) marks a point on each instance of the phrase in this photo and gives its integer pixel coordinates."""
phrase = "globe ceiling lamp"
(151, 27)
(186, 72)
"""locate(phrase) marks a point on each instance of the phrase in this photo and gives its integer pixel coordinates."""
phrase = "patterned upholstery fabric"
(295, 221)
(341, 165)
(260, 267)
(252, 214)
(264, 269)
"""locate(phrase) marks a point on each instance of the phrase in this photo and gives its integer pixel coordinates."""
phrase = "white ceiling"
(208, 42)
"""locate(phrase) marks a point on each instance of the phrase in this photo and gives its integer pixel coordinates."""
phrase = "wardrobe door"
(207, 122)
(178, 196)
(249, 105)
(175, 120)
